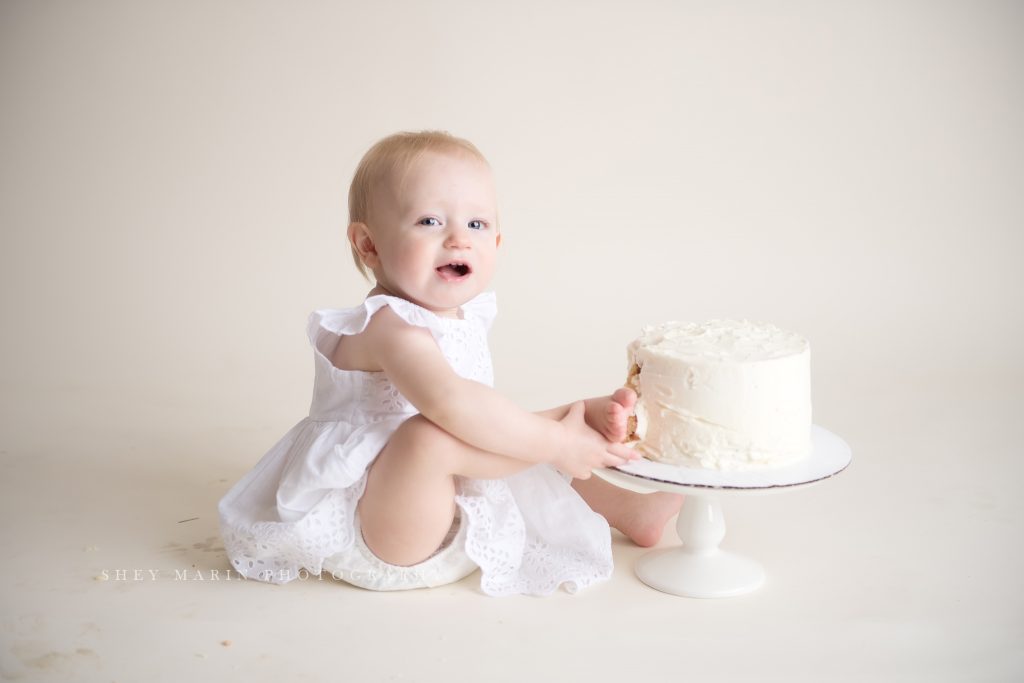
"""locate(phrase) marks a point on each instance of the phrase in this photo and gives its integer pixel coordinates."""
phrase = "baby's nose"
(458, 237)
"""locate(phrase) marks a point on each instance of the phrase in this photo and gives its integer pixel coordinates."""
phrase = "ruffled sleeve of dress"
(354, 320)
(482, 308)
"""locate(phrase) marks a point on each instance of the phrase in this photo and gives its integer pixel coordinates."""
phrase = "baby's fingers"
(623, 451)
(612, 460)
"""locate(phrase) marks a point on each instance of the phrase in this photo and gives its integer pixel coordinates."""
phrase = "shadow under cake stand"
(699, 568)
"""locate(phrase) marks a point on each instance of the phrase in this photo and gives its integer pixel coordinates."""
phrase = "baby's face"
(437, 236)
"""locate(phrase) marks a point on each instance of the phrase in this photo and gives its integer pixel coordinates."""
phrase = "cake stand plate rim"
(829, 456)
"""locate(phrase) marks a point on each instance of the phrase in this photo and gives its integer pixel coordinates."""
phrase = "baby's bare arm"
(471, 411)
(474, 412)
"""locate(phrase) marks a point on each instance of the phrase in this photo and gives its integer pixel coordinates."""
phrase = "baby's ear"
(497, 241)
(362, 241)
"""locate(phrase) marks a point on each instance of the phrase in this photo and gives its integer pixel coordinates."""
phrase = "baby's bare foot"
(643, 516)
(608, 414)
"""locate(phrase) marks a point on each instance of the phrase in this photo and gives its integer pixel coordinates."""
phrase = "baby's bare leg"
(641, 517)
(409, 502)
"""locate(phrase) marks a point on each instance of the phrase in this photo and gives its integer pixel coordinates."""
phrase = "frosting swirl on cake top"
(720, 340)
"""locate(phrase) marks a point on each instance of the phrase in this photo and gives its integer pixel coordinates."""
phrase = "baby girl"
(410, 470)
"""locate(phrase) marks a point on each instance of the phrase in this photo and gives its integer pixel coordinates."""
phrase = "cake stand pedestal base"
(699, 569)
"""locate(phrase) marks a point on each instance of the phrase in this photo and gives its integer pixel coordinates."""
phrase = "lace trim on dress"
(510, 564)
(277, 552)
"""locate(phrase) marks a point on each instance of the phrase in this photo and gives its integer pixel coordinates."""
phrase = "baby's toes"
(615, 422)
(625, 397)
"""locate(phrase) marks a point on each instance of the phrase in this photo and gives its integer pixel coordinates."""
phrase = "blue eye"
(429, 220)
(477, 225)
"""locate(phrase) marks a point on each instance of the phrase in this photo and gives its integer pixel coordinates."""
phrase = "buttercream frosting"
(723, 394)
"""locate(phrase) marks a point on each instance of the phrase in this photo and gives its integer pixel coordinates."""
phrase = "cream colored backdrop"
(173, 185)
(172, 204)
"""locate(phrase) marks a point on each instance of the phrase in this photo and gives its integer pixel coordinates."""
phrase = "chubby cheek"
(415, 263)
(488, 262)
(405, 269)
(486, 245)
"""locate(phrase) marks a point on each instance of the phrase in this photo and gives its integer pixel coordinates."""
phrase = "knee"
(418, 429)
(418, 438)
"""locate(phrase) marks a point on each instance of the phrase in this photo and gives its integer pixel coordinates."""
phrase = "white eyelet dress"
(296, 509)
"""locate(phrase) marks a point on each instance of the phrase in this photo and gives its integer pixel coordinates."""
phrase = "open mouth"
(454, 270)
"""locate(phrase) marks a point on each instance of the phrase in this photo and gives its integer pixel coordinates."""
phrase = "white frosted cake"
(724, 394)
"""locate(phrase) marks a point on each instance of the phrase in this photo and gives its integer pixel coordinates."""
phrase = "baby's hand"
(583, 449)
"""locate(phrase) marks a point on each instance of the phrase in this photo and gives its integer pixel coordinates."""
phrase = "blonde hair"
(392, 156)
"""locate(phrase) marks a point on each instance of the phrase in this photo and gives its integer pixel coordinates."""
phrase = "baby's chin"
(439, 296)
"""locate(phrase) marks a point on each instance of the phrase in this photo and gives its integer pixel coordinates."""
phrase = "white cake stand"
(699, 569)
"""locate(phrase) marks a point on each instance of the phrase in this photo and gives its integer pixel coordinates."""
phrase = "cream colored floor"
(905, 567)
(172, 205)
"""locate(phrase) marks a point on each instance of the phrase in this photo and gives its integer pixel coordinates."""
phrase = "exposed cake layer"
(723, 394)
